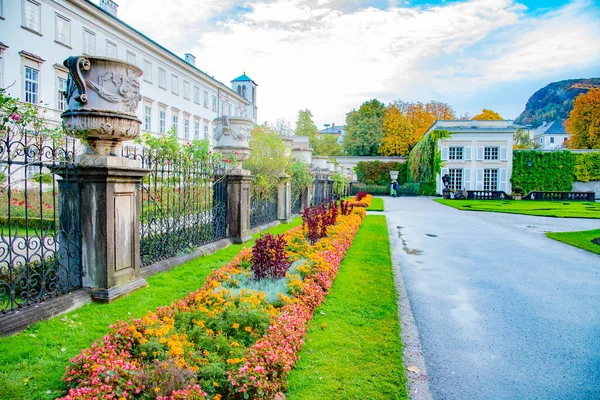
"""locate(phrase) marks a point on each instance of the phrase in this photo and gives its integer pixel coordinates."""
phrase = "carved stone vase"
(103, 96)
(232, 135)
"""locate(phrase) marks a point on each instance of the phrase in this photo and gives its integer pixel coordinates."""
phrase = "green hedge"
(587, 167)
(32, 223)
(406, 189)
(378, 172)
(543, 171)
(378, 190)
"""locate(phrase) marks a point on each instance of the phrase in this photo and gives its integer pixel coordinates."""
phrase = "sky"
(332, 55)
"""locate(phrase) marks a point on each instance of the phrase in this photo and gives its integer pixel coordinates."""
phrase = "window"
(223, 108)
(63, 30)
(205, 130)
(162, 78)
(196, 130)
(490, 153)
(229, 110)
(186, 90)
(186, 128)
(244, 94)
(490, 179)
(61, 99)
(551, 139)
(196, 95)
(205, 99)
(175, 122)
(175, 84)
(32, 15)
(214, 105)
(89, 42)
(32, 85)
(111, 49)
(130, 57)
(147, 118)
(564, 140)
(147, 71)
(456, 178)
(455, 153)
(162, 121)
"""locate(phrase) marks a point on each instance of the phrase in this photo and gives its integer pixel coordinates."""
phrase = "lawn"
(376, 204)
(33, 362)
(581, 239)
(353, 350)
(571, 209)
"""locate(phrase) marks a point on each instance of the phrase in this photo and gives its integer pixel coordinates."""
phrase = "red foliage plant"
(345, 208)
(269, 259)
(316, 219)
(360, 195)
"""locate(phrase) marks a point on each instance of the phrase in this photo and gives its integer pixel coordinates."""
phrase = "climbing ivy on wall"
(425, 160)
(543, 171)
(587, 167)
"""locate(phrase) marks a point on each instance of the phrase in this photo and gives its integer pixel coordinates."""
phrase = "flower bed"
(229, 339)
(361, 199)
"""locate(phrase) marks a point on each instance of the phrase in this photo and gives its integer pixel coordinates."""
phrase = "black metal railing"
(487, 195)
(263, 209)
(40, 217)
(322, 190)
(560, 196)
(296, 203)
(184, 205)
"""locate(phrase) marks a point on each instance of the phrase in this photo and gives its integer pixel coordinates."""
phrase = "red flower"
(16, 117)
(228, 160)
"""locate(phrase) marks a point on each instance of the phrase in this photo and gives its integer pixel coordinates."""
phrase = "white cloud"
(330, 56)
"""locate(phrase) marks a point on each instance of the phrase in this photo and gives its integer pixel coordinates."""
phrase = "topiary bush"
(543, 171)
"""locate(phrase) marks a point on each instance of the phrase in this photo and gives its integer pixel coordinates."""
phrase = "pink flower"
(16, 117)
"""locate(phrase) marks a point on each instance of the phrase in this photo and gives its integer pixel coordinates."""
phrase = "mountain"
(553, 101)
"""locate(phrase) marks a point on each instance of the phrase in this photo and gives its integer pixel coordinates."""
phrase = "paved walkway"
(503, 312)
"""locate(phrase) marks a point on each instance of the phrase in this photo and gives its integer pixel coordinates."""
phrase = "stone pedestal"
(238, 205)
(284, 199)
(110, 199)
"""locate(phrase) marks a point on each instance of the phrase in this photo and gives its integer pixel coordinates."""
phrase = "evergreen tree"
(364, 129)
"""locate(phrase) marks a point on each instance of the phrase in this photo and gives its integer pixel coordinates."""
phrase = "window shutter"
(444, 153)
(503, 153)
(467, 153)
(479, 153)
(503, 179)
(467, 178)
(479, 185)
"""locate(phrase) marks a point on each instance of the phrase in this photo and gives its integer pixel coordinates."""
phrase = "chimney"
(332, 125)
(109, 6)
(190, 59)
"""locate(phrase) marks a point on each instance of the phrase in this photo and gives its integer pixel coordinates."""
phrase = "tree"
(397, 131)
(327, 145)
(305, 126)
(583, 124)
(422, 116)
(522, 141)
(282, 127)
(364, 129)
(486, 114)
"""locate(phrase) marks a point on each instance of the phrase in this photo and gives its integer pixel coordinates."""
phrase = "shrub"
(268, 257)
(378, 173)
(371, 189)
(360, 195)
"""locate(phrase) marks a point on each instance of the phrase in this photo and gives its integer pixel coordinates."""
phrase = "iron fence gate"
(40, 216)
(184, 205)
(263, 209)
(322, 190)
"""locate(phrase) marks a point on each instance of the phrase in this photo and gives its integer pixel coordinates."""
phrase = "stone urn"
(232, 135)
(102, 96)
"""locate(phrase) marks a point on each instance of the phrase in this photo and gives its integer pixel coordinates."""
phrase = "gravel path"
(502, 311)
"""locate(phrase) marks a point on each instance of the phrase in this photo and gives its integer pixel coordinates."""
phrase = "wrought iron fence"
(184, 205)
(263, 209)
(40, 217)
(296, 203)
(322, 190)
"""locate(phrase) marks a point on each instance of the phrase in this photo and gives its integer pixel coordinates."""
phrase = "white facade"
(477, 155)
(551, 135)
(37, 35)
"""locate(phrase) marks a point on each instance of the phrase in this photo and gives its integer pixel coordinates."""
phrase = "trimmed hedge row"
(378, 172)
(406, 189)
(32, 223)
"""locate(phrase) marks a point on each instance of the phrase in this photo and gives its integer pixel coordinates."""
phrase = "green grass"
(581, 239)
(569, 209)
(358, 355)
(33, 362)
(376, 204)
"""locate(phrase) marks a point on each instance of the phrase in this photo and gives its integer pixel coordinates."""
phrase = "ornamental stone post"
(284, 199)
(103, 95)
(233, 136)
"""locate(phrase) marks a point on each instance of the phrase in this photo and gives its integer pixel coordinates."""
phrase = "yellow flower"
(215, 384)
(156, 389)
(248, 329)
(235, 325)
(217, 397)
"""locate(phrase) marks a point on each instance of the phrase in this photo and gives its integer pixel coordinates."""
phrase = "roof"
(556, 127)
(243, 78)
(126, 25)
(334, 130)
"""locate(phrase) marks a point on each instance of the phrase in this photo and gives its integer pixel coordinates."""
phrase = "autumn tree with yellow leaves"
(583, 124)
(397, 131)
(487, 115)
